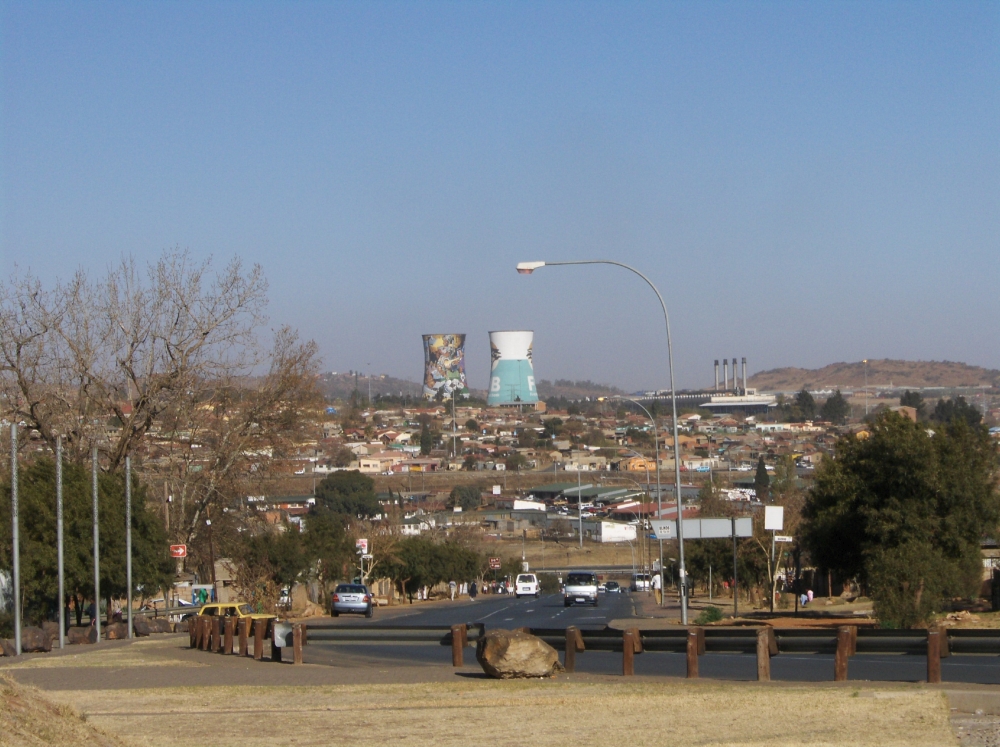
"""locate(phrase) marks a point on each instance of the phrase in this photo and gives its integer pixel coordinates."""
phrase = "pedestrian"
(809, 594)
(91, 610)
(452, 587)
(473, 590)
(803, 600)
(658, 588)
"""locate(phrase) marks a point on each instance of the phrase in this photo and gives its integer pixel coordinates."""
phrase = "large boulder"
(52, 628)
(116, 631)
(510, 654)
(35, 639)
(181, 627)
(141, 626)
(82, 634)
(161, 625)
(7, 647)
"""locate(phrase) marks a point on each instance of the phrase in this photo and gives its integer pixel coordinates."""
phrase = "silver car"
(353, 598)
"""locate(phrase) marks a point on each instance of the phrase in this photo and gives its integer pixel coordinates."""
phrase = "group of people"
(474, 589)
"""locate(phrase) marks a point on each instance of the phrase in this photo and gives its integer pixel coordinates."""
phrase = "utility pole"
(97, 547)
(579, 504)
(865, 361)
(15, 549)
(59, 544)
(128, 542)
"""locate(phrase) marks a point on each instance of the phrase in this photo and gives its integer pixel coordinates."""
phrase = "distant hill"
(574, 389)
(340, 385)
(881, 373)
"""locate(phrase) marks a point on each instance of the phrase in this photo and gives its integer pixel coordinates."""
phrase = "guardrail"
(226, 635)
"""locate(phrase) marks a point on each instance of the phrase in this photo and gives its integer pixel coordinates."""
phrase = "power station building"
(444, 366)
(512, 376)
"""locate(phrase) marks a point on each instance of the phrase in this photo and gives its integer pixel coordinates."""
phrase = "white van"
(526, 585)
(640, 582)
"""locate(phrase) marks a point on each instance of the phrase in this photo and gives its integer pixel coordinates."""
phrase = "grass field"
(543, 714)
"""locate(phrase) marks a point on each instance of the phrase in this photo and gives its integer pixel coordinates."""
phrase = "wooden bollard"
(692, 653)
(206, 632)
(193, 632)
(854, 639)
(241, 627)
(259, 628)
(843, 653)
(631, 645)
(297, 634)
(701, 641)
(934, 656)
(574, 643)
(216, 646)
(227, 644)
(763, 655)
(457, 645)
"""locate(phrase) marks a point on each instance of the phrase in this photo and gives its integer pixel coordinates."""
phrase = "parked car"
(232, 609)
(526, 585)
(354, 598)
(580, 588)
(612, 587)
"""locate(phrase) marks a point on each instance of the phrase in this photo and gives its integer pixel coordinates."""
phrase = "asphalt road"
(502, 611)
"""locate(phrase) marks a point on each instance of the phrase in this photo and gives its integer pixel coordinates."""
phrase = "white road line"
(502, 609)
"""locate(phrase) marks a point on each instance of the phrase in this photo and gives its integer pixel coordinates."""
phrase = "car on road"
(612, 587)
(526, 585)
(580, 588)
(236, 610)
(352, 598)
(640, 582)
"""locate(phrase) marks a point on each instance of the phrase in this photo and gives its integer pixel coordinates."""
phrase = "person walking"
(658, 588)
(473, 590)
(452, 587)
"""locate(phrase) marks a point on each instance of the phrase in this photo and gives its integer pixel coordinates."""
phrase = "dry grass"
(543, 714)
(140, 653)
(29, 719)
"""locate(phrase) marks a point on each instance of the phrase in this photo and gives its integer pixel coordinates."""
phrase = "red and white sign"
(362, 545)
(495, 564)
(178, 551)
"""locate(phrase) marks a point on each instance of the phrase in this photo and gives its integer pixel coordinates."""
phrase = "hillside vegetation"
(881, 373)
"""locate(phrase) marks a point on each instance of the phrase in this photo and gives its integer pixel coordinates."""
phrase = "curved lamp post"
(526, 268)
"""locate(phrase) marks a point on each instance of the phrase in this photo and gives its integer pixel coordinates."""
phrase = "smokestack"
(736, 377)
(716, 374)
(744, 375)
(725, 370)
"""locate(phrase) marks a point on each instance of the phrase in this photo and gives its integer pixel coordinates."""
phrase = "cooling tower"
(444, 367)
(512, 378)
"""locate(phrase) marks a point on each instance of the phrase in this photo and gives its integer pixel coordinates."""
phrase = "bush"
(708, 615)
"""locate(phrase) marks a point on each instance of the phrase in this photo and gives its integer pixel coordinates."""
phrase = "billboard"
(444, 366)
(512, 377)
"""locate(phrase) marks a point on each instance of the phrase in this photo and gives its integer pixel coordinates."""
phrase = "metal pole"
(736, 586)
(528, 267)
(128, 541)
(59, 544)
(579, 503)
(97, 548)
(15, 541)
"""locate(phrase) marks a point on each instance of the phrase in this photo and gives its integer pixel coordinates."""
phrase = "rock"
(82, 634)
(116, 631)
(35, 639)
(161, 625)
(7, 647)
(312, 610)
(181, 627)
(141, 626)
(509, 654)
(52, 628)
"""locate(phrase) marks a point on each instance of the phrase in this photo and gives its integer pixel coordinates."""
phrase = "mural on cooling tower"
(444, 366)
(512, 377)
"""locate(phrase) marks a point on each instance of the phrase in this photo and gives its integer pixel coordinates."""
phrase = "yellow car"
(233, 609)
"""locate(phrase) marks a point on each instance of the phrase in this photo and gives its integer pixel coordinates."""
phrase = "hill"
(881, 374)
(574, 389)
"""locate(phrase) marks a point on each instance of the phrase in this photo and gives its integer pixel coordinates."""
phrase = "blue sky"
(805, 182)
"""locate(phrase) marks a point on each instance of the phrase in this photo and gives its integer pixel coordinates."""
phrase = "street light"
(526, 268)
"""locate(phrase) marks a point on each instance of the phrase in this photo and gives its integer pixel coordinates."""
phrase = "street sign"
(783, 538)
(362, 545)
(496, 490)
(178, 551)
(495, 564)
(774, 518)
(703, 528)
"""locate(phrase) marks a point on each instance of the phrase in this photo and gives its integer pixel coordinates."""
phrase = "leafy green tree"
(947, 410)
(349, 493)
(426, 439)
(283, 553)
(904, 512)
(419, 561)
(762, 481)
(471, 425)
(343, 457)
(515, 461)
(327, 544)
(914, 400)
(836, 408)
(466, 497)
(804, 407)
(152, 569)
(553, 427)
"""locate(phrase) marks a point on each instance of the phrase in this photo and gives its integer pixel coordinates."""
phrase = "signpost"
(178, 551)
(361, 546)
(495, 564)
(783, 538)
(774, 521)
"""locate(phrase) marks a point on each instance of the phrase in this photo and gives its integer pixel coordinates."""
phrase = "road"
(548, 612)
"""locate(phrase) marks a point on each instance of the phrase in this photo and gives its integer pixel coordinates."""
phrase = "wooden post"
(934, 656)
(216, 635)
(193, 631)
(843, 652)
(701, 641)
(259, 628)
(692, 653)
(206, 632)
(297, 631)
(574, 643)
(763, 655)
(242, 628)
(631, 645)
(227, 646)
(854, 639)
(457, 645)
(943, 645)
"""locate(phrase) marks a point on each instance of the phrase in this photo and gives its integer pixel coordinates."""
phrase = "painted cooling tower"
(512, 378)
(444, 366)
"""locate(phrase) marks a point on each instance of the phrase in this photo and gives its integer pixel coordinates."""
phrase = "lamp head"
(526, 268)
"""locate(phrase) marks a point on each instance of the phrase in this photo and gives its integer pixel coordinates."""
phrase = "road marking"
(508, 619)
(502, 609)
(527, 611)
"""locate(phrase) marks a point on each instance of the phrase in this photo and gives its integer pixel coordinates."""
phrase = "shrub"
(709, 615)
